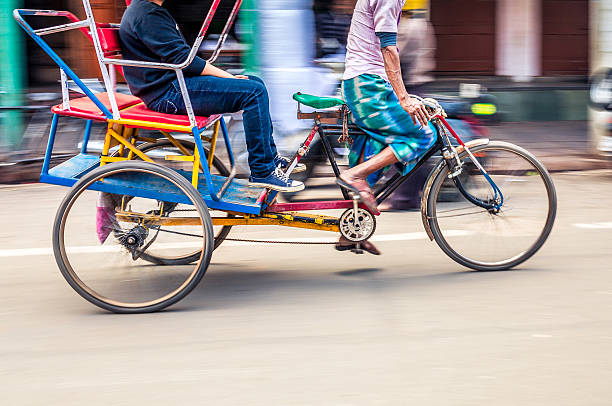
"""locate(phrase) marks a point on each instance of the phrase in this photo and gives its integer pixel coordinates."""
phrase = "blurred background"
(530, 59)
(307, 325)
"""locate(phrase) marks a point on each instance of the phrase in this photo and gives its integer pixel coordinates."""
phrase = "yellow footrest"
(108, 159)
(183, 158)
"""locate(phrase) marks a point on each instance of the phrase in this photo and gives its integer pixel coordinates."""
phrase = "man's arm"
(385, 26)
(393, 68)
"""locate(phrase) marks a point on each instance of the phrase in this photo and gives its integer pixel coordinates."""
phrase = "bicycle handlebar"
(432, 104)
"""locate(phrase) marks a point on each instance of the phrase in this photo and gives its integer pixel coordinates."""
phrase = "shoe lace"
(278, 172)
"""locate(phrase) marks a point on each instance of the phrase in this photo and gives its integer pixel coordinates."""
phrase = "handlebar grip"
(428, 102)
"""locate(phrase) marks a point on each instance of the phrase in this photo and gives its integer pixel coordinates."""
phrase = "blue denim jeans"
(212, 95)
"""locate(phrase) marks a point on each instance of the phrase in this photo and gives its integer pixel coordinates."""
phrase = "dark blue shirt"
(149, 33)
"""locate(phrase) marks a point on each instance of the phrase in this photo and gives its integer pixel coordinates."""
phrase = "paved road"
(308, 326)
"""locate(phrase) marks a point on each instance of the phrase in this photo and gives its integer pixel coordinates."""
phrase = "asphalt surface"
(306, 325)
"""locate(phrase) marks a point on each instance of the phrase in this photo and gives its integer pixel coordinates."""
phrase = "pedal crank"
(357, 224)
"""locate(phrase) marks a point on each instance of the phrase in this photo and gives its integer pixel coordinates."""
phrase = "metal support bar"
(134, 139)
(93, 31)
(186, 98)
(126, 143)
(86, 136)
(18, 17)
(192, 54)
(228, 144)
(61, 28)
(330, 155)
(213, 144)
(267, 220)
(52, 132)
(177, 144)
(225, 32)
(65, 92)
(195, 172)
(203, 161)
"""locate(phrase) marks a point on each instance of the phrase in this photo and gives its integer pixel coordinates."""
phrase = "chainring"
(357, 227)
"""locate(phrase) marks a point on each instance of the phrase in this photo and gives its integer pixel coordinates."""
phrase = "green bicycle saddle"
(317, 102)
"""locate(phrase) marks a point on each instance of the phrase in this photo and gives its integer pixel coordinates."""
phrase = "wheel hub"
(134, 239)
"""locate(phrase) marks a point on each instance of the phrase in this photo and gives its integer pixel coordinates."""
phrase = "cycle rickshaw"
(172, 200)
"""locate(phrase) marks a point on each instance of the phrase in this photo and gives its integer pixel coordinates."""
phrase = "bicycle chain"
(255, 241)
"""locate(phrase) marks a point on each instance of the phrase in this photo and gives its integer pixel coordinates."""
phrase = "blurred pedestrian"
(416, 41)
(333, 20)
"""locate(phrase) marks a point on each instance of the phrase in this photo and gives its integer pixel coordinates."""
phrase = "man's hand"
(417, 111)
(241, 77)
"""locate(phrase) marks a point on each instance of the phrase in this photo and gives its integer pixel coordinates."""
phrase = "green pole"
(250, 35)
(11, 75)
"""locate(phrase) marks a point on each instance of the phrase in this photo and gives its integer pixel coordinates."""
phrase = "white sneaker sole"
(278, 188)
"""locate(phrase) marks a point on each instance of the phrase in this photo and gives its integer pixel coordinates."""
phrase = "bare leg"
(364, 169)
(357, 175)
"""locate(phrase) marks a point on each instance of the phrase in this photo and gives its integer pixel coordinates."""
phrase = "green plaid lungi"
(376, 109)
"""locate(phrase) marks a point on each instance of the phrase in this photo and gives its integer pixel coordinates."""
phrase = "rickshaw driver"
(148, 32)
(396, 124)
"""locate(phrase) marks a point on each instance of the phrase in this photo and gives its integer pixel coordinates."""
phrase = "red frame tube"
(449, 128)
(306, 206)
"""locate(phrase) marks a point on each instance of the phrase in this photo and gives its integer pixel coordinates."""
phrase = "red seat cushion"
(140, 112)
(83, 107)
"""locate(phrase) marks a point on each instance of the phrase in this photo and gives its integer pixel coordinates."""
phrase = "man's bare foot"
(346, 245)
(365, 193)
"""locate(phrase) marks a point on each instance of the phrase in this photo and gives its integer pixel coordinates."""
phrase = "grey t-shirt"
(363, 53)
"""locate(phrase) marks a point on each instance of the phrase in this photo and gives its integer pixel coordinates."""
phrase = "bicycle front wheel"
(489, 239)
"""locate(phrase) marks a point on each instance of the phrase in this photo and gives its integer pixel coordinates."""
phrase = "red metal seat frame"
(130, 107)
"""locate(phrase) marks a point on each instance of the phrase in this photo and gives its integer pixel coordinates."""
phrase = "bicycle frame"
(441, 145)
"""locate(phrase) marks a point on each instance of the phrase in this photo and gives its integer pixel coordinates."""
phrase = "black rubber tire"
(550, 220)
(219, 237)
(107, 171)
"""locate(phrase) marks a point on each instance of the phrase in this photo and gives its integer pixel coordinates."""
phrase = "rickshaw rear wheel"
(220, 233)
(110, 273)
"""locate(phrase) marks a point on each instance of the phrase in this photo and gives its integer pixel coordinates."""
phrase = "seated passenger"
(396, 124)
(149, 33)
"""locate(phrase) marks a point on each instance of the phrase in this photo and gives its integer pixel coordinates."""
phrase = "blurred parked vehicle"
(601, 100)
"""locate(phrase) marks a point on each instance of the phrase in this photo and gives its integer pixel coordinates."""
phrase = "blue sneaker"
(285, 163)
(277, 180)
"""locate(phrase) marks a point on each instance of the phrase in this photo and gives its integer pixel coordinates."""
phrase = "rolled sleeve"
(196, 68)
(387, 39)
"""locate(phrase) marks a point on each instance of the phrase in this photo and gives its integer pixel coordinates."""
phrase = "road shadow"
(224, 288)
(357, 272)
